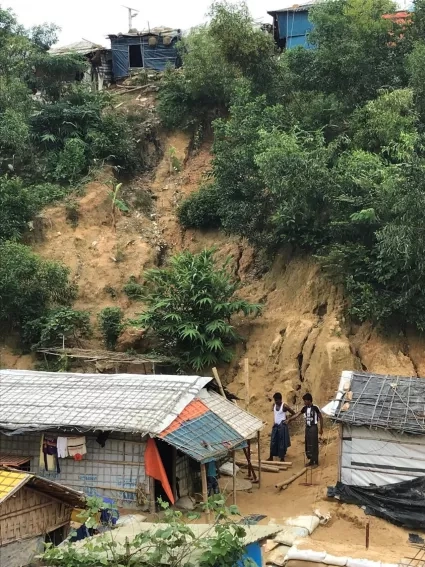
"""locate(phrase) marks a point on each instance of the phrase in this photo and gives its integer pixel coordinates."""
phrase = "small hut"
(33, 511)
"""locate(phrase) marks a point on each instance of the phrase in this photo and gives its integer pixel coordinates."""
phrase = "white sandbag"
(130, 519)
(310, 523)
(185, 503)
(227, 469)
(290, 534)
(389, 565)
(278, 556)
(333, 560)
(362, 563)
(306, 555)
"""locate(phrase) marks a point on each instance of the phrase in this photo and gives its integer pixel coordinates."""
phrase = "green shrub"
(29, 285)
(111, 325)
(58, 326)
(17, 207)
(71, 161)
(133, 290)
(200, 209)
(189, 308)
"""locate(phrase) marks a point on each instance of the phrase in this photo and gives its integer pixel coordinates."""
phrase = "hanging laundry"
(77, 446)
(50, 453)
(102, 438)
(62, 445)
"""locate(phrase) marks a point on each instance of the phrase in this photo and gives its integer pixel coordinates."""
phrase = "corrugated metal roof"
(145, 404)
(242, 421)
(82, 47)
(295, 7)
(7, 460)
(11, 481)
(204, 437)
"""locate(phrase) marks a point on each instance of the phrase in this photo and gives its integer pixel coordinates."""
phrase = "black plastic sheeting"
(402, 504)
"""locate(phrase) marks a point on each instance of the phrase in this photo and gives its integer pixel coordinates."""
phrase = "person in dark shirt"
(313, 428)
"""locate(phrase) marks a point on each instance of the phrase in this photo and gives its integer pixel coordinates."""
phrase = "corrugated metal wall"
(114, 471)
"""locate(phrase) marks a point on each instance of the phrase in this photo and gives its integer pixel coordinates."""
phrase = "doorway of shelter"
(135, 55)
(166, 452)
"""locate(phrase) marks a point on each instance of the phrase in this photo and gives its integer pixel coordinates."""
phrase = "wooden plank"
(174, 472)
(152, 499)
(204, 487)
(278, 464)
(283, 485)
(265, 468)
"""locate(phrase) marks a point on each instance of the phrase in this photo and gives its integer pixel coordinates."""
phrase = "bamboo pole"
(286, 483)
(205, 488)
(247, 391)
(217, 379)
(256, 466)
(259, 458)
(174, 472)
(278, 464)
(234, 477)
(152, 507)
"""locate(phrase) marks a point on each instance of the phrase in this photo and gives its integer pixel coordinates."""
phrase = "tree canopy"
(333, 161)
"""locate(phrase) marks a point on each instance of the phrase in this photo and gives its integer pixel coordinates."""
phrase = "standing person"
(212, 482)
(280, 440)
(313, 428)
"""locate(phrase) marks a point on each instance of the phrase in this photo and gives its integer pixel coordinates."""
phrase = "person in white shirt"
(280, 440)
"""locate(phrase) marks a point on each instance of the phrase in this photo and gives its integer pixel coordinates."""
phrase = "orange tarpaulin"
(155, 468)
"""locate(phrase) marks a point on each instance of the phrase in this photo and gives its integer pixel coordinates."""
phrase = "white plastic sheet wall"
(376, 456)
(114, 471)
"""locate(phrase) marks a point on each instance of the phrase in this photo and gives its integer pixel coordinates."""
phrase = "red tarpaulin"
(155, 468)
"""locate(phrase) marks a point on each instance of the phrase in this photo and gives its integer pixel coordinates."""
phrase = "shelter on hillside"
(382, 443)
(155, 50)
(291, 25)
(124, 436)
(33, 511)
(99, 61)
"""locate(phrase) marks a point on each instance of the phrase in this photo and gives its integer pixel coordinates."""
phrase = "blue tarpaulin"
(155, 57)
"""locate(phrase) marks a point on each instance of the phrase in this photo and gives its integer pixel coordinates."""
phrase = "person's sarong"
(312, 443)
(280, 440)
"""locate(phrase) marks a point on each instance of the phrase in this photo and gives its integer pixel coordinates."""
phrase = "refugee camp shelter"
(33, 511)
(128, 437)
(382, 423)
(99, 61)
(155, 50)
(291, 26)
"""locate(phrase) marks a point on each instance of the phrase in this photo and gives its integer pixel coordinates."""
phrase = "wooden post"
(340, 435)
(205, 488)
(217, 379)
(152, 499)
(174, 472)
(367, 534)
(247, 392)
(286, 483)
(234, 477)
(259, 459)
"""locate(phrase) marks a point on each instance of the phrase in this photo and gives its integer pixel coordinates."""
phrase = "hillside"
(300, 342)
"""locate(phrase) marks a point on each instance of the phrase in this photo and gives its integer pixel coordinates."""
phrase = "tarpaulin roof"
(11, 481)
(135, 403)
(82, 47)
(389, 402)
(201, 433)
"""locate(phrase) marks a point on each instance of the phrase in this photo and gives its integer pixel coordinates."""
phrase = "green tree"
(29, 285)
(111, 325)
(58, 326)
(190, 305)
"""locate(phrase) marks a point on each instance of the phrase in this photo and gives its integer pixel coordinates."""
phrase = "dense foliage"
(111, 323)
(189, 308)
(333, 162)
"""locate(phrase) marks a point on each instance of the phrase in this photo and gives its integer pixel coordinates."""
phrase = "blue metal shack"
(292, 26)
(148, 50)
